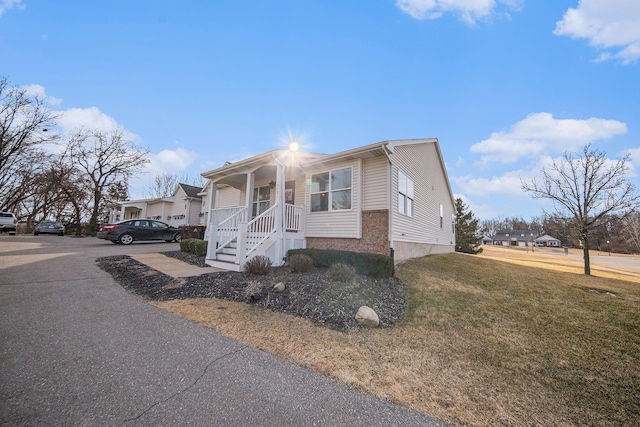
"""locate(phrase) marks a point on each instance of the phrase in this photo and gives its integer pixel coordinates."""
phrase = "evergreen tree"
(468, 239)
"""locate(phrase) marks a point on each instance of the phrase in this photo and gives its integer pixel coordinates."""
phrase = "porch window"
(261, 198)
(405, 194)
(331, 191)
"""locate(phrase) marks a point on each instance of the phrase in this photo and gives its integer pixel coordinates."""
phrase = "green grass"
(559, 337)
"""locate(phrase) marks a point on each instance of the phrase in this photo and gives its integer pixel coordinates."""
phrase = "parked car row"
(131, 230)
(123, 232)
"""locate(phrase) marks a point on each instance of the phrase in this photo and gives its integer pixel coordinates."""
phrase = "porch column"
(211, 234)
(122, 212)
(249, 195)
(280, 213)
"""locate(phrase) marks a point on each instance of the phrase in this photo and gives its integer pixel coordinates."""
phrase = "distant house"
(513, 238)
(181, 208)
(548, 241)
(391, 197)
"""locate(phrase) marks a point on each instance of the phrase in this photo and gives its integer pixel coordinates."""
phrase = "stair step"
(226, 257)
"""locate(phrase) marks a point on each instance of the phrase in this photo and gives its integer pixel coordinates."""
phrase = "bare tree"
(587, 188)
(632, 232)
(25, 124)
(164, 184)
(104, 159)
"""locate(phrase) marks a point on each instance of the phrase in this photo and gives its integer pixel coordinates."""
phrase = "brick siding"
(375, 236)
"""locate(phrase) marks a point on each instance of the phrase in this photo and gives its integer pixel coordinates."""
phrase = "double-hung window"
(331, 191)
(405, 194)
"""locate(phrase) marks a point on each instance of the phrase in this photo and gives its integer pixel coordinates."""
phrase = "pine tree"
(468, 239)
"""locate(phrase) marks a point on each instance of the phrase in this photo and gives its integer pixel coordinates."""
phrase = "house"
(548, 241)
(181, 208)
(391, 197)
(513, 238)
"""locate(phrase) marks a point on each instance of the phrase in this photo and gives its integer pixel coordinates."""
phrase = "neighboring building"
(513, 238)
(181, 208)
(391, 197)
(548, 241)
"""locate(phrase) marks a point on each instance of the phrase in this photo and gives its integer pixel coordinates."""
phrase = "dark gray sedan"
(49, 227)
(128, 231)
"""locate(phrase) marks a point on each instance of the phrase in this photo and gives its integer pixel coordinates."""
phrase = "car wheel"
(126, 239)
(60, 234)
(35, 233)
(177, 238)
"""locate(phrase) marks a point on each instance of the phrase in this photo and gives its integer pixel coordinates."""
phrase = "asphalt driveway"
(77, 349)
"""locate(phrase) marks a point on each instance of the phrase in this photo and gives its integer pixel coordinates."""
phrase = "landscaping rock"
(278, 287)
(311, 294)
(367, 317)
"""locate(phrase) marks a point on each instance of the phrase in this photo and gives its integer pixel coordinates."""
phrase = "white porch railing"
(228, 228)
(293, 218)
(249, 236)
(257, 231)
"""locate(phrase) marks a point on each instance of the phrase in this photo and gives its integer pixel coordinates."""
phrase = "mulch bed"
(310, 295)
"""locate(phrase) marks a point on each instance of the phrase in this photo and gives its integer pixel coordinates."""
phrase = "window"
(261, 197)
(405, 194)
(331, 191)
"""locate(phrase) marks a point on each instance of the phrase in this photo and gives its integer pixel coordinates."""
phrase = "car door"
(161, 231)
(140, 229)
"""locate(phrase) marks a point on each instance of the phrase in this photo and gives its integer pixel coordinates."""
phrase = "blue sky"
(505, 85)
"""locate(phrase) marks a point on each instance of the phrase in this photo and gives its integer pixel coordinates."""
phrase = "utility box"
(192, 231)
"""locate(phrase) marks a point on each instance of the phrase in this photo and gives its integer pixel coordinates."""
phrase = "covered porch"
(267, 217)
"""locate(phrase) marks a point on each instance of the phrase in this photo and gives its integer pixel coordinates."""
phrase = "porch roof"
(306, 159)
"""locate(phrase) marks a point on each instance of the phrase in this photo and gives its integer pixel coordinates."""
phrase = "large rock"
(279, 287)
(367, 317)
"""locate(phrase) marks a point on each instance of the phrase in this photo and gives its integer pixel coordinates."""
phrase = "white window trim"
(406, 195)
(330, 192)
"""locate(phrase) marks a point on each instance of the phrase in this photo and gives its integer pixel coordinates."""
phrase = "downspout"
(389, 190)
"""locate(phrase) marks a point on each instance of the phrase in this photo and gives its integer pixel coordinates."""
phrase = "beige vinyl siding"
(375, 183)
(228, 197)
(420, 162)
(161, 209)
(339, 224)
(179, 204)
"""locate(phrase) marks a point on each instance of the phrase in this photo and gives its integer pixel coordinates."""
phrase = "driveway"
(77, 349)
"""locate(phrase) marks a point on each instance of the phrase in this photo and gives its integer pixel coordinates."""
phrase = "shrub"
(374, 265)
(185, 245)
(194, 246)
(258, 265)
(300, 263)
(341, 272)
(198, 247)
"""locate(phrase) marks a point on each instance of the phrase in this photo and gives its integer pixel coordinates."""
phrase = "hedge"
(194, 246)
(374, 265)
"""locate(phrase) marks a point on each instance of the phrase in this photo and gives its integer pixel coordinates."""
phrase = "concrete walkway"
(171, 266)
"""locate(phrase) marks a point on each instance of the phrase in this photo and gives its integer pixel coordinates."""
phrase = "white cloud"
(470, 11)
(39, 92)
(607, 24)
(480, 211)
(91, 119)
(541, 133)
(507, 184)
(5, 5)
(172, 161)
